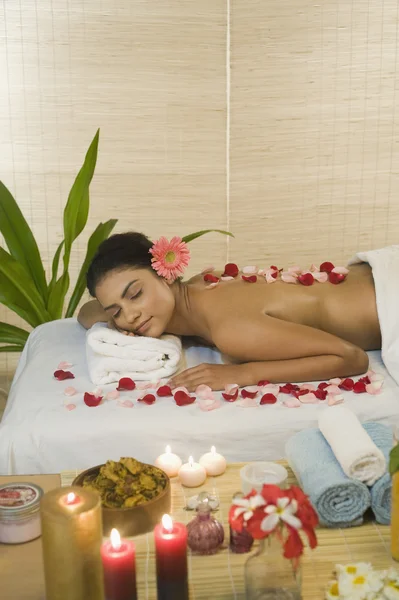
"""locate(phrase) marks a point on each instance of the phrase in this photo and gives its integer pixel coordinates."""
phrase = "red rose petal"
(268, 399)
(91, 399)
(306, 279)
(230, 397)
(62, 375)
(284, 389)
(249, 394)
(326, 267)
(250, 278)
(323, 385)
(182, 399)
(164, 390)
(147, 399)
(126, 384)
(263, 382)
(231, 270)
(336, 278)
(209, 278)
(274, 268)
(359, 387)
(320, 394)
(365, 379)
(347, 384)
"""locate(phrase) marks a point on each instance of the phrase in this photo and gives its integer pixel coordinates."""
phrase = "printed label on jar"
(17, 495)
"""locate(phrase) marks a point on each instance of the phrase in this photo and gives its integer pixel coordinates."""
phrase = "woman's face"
(137, 300)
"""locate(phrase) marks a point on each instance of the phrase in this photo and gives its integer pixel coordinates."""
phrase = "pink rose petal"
(70, 406)
(333, 389)
(374, 388)
(205, 392)
(250, 270)
(70, 391)
(125, 403)
(270, 276)
(340, 270)
(270, 388)
(335, 381)
(307, 386)
(208, 404)
(226, 278)
(113, 395)
(65, 365)
(313, 268)
(334, 399)
(292, 403)
(320, 277)
(212, 285)
(261, 272)
(180, 389)
(230, 388)
(97, 391)
(375, 377)
(309, 398)
(144, 385)
(294, 270)
(288, 278)
(247, 403)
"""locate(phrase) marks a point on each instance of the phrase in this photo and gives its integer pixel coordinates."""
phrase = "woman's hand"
(216, 376)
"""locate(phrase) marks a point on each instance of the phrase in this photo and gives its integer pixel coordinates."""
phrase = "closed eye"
(136, 295)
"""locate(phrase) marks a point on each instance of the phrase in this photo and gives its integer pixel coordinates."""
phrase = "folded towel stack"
(336, 463)
(112, 355)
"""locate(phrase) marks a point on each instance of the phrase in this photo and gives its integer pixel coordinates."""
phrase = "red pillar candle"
(119, 564)
(171, 559)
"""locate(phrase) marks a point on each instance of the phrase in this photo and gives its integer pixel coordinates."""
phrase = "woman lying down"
(277, 331)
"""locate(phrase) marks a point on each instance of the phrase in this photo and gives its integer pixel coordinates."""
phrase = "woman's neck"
(186, 320)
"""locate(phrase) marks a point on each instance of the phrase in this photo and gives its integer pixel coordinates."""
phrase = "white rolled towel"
(354, 449)
(112, 355)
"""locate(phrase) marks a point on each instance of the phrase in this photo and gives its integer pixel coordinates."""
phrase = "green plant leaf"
(10, 297)
(16, 281)
(197, 234)
(10, 334)
(18, 348)
(101, 232)
(394, 460)
(54, 268)
(20, 240)
(57, 296)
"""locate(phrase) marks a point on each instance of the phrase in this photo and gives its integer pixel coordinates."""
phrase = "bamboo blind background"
(277, 120)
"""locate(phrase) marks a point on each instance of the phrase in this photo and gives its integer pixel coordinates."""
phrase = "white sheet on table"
(38, 435)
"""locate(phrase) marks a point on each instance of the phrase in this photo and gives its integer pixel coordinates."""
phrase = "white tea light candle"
(213, 463)
(192, 474)
(169, 463)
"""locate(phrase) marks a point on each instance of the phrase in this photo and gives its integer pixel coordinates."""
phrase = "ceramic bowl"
(256, 474)
(137, 519)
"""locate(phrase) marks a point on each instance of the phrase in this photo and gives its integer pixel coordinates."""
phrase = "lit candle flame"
(71, 498)
(213, 450)
(115, 539)
(167, 523)
(168, 450)
(191, 461)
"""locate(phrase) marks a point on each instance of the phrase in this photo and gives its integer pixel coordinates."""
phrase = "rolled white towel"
(354, 449)
(112, 355)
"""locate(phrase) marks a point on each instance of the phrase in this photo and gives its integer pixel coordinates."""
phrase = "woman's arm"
(278, 351)
(92, 312)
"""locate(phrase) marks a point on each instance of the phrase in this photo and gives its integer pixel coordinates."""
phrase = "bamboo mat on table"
(221, 576)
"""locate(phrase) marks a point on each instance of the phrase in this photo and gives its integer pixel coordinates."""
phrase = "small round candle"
(169, 463)
(213, 463)
(192, 474)
(119, 562)
(171, 559)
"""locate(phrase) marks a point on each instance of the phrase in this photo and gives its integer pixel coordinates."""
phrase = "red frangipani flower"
(170, 258)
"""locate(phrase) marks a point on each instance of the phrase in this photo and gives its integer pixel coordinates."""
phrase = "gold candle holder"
(71, 539)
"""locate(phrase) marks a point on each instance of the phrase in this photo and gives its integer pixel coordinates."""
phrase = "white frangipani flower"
(357, 586)
(284, 511)
(247, 506)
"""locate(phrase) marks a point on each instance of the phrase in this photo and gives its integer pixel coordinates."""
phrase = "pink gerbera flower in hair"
(170, 258)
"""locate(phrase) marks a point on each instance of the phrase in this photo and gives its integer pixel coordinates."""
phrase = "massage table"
(39, 435)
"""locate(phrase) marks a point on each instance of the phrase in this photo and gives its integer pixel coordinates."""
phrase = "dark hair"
(121, 250)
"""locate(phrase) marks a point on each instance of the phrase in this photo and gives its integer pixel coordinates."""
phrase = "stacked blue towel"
(381, 491)
(338, 500)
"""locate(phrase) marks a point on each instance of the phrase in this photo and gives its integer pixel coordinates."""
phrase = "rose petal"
(183, 399)
(263, 382)
(268, 399)
(70, 391)
(230, 397)
(294, 270)
(323, 385)
(250, 278)
(209, 278)
(270, 388)
(340, 270)
(336, 278)
(147, 399)
(144, 385)
(247, 403)
(205, 392)
(65, 365)
(335, 381)
(163, 391)
(374, 388)
(250, 391)
(375, 376)
(212, 285)
(61, 375)
(261, 272)
(365, 379)
(97, 392)
(125, 403)
(226, 278)
(270, 276)
(313, 268)
(306, 279)
(126, 384)
(250, 270)
(320, 394)
(207, 270)
(70, 406)
(332, 389)
(231, 269)
(208, 405)
(334, 399)
(326, 267)
(288, 278)
(291, 403)
(230, 388)
(320, 277)
(113, 395)
(307, 386)
(347, 384)
(359, 387)
(309, 398)
(91, 400)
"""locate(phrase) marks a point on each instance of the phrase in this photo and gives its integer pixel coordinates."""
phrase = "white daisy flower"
(360, 587)
(391, 587)
(247, 506)
(360, 568)
(332, 592)
(284, 511)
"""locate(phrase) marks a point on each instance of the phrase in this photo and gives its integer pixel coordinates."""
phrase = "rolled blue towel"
(338, 500)
(381, 491)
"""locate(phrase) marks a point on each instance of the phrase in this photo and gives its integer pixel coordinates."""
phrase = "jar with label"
(19, 512)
